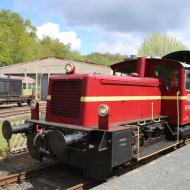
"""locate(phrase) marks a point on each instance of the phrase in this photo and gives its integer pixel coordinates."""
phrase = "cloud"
(124, 15)
(123, 24)
(182, 35)
(111, 15)
(127, 44)
(53, 30)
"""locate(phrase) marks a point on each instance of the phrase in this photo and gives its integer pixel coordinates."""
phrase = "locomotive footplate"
(95, 151)
(61, 126)
(145, 152)
(103, 150)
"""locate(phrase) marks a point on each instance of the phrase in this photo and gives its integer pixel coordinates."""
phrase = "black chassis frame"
(100, 152)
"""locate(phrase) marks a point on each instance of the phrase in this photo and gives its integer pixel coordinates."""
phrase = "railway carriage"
(98, 122)
(27, 91)
(15, 89)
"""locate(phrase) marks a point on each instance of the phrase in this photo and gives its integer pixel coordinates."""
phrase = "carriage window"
(187, 79)
(6, 87)
(29, 86)
(169, 75)
(24, 86)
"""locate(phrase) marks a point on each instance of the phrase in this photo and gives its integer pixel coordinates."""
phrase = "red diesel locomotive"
(98, 122)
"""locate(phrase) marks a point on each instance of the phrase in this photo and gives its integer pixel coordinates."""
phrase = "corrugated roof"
(53, 65)
(55, 57)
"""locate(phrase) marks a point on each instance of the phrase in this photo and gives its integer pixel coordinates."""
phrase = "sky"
(115, 26)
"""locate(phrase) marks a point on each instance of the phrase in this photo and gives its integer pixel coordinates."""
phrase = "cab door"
(170, 86)
(185, 110)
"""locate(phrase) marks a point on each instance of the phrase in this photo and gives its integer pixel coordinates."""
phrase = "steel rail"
(21, 112)
(22, 176)
(18, 110)
(77, 187)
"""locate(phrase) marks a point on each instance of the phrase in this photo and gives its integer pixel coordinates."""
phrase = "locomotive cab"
(99, 122)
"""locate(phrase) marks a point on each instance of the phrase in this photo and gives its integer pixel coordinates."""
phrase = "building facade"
(43, 68)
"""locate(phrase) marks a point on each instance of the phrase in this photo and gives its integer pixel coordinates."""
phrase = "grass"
(3, 142)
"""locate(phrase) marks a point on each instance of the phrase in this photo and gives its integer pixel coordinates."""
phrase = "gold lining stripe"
(174, 98)
(48, 97)
(128, 98)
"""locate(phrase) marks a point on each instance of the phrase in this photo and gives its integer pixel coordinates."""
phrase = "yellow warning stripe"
(126, 98)
(117, 98)
(175, 98)
(49, 97)
(129, 98)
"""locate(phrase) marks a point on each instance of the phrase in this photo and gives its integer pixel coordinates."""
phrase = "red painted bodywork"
(98, 85)
(146, 85)
(169, 107)
(104, 122)
(35, 112)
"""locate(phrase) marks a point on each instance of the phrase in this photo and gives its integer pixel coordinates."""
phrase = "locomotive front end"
(99, 122)
(76, 127)
(92, 121)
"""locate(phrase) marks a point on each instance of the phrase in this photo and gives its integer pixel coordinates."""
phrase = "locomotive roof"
(184, 64)
(181, 57)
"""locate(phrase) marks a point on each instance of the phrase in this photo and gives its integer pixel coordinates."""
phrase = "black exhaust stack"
(8, 130)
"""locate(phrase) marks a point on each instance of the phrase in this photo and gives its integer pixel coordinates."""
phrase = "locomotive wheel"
(28, 102)
(31, 148)
(19, 104)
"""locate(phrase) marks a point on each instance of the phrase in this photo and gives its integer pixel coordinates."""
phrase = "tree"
(19, 43)
(17, 38)
(104, 58)
(158, 44)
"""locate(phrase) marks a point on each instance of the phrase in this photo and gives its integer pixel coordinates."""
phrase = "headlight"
(103, 110)
(69, 68)
(33, 104)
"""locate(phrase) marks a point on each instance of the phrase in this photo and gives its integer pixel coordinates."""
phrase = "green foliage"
(158, 44)
(51, 47)
(19, 43)
(17, 38)
(106, 58)
(3, 144)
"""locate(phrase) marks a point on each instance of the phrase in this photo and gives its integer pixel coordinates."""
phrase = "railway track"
(19, 111)
(20, 177)
(13, 107)
(24, 176)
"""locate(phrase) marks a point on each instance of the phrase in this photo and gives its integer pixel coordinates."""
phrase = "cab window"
(127, 70)
(187, 79)
(168, 74)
